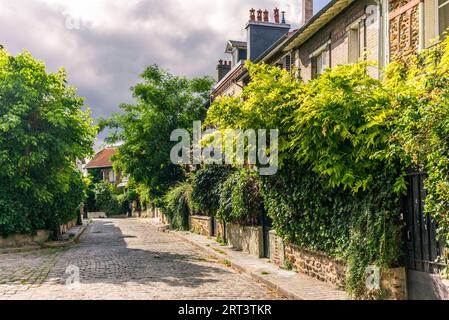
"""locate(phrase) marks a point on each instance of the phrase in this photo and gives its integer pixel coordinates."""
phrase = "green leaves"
(43, 133)
(421, 134)
(207, 187)
(164, 103)
(177, 205)
(240, 199)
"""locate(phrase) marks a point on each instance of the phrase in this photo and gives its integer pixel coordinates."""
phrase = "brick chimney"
(266, 17)
(263, 33)
(223, 68)
(252, 15)
(277, 16)
(259, 15)
(306, 11)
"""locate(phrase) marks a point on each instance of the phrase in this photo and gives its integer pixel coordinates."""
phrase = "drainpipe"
(380, 35)
(421, 26)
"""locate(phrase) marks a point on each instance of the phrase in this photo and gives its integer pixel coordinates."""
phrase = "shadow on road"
(103, 256)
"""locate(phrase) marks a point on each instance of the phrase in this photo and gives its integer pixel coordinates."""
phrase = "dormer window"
(237, 50)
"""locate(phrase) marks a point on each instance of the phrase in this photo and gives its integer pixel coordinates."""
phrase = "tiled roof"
(102, 159)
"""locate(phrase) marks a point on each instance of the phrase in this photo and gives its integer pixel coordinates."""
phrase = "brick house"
(344, 32)
(262, 34)
(103, 166)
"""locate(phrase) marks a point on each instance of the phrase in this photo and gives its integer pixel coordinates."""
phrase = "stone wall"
(394, 284)
(201, 225)
(277, 250)
(246, 239)
(97, 215)
(320, 266)
(20, 240)
(66, 227)
(221, 231)
(404, 29)
(316, 265)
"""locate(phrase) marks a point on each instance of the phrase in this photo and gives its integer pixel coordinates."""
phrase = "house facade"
(102, 166)
(345, 32)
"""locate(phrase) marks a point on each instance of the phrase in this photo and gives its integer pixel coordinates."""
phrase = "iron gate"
(423, 248)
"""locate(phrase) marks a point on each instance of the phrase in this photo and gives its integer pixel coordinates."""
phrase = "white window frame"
(437, 15)
(325, 48)
(354, 30)
(111, 177)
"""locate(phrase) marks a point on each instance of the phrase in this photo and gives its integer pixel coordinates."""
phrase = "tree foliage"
(43, 133)
(164, 103)
(421, 92)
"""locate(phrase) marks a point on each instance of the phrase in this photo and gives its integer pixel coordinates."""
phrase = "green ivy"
(177, 206)
(206, 188)
(240, 200)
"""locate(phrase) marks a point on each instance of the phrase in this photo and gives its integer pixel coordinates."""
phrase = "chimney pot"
(283, 18)
(266, 17)
(259, 15)
(252, 15)
(276, 16)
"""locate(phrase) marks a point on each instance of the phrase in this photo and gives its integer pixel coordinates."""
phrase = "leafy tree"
(43, 133)
(164, 103)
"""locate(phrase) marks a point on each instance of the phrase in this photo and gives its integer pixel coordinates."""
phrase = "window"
(319, 63)
(111, 176)
(443, 15)
(354, 43)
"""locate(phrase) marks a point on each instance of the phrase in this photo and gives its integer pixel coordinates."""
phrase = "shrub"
(107, 201)
(177, 207)
(44, 131)
(206, 188)
(240, 200)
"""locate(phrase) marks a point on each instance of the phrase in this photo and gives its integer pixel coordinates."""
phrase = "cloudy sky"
(106, 44)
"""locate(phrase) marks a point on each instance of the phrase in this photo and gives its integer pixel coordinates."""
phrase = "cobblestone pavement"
(124, 259)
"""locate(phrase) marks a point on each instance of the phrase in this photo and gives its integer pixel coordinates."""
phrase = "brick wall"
(201, 225)
(221, 231)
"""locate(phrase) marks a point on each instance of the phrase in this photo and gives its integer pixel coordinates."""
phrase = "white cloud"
(116, 39)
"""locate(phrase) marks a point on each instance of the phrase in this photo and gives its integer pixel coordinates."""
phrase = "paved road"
(124, 259)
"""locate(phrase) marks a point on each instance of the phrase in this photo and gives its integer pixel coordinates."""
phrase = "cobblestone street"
(124, 259)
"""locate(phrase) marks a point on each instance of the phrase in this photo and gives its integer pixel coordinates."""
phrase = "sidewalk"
(291, 284)
(69, 238)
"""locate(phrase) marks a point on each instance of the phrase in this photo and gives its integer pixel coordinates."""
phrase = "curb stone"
(257, 277)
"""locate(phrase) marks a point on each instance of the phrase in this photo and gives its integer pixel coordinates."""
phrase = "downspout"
(380, 36)
(421, 25)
